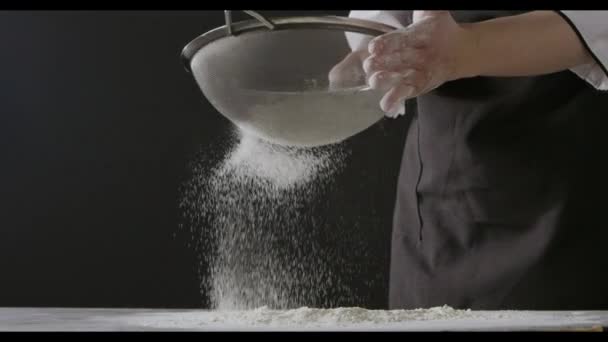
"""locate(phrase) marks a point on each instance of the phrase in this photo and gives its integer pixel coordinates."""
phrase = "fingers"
(396, 41)
(384, 80)
(393, 102)
(412, 61)
(349, 72)
(405, 59)
(410, 37)
(400, 75)
(398, 66)
(398, 87)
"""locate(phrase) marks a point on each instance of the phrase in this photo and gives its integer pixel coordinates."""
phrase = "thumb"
(420, 15)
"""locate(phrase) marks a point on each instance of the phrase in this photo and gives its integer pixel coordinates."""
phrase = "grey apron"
(503, 195)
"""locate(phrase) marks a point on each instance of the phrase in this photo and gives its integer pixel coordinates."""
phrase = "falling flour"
(276, 166)
(252, 209)
(262, 267)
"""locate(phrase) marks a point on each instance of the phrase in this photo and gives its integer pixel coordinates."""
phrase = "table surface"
(75, 319)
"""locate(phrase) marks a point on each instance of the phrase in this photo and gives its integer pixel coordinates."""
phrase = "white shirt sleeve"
(592, 28)
(397, 19)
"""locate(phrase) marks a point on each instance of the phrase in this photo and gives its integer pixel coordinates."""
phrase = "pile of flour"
(339, 317)
(298, 319)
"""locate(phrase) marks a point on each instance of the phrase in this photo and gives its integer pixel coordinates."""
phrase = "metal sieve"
(270, 77)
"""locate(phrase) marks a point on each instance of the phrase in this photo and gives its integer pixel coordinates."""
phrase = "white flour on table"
(300, 318)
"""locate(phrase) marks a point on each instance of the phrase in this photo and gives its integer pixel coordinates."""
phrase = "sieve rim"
(306, 22)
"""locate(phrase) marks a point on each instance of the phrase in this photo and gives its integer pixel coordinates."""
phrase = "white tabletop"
(66, 319)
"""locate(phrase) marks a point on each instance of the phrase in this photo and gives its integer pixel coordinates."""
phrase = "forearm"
(535, 43)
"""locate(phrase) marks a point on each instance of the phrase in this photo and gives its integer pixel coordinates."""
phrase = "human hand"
(349, 72)
(414, 60)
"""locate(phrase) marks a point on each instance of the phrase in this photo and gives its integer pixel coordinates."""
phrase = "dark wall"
(98, 122)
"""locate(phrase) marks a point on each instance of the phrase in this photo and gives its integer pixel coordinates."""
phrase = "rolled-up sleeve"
(592, 29)
(397, 19)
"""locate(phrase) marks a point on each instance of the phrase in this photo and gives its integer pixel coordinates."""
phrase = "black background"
(99, 122)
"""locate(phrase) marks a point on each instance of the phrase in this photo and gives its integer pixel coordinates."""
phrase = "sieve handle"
(254, 14)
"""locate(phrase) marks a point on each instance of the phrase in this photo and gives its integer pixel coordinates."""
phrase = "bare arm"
(534, 43)
(436, 49)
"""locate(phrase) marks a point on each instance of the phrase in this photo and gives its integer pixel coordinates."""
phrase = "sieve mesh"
(275, 84)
